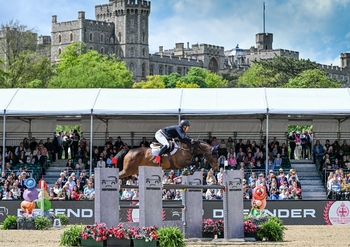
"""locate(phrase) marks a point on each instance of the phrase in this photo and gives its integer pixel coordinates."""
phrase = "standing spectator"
(304, 139)
(298, 146)
(240, 145)
(273, 143)
(311, 141)
(318, 152)
(60, 145)
(292, 144)
(277, 162)
(19, 149)
(345, 147)
(284, 150)
(33, 144)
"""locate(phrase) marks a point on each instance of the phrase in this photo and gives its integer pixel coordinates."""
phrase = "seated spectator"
(222, 148)
(275, 150)
(69, 165)
(16, 192)
(277, 162)
(249, 158)
(246, 192)
(259, 165)
(221, 161)
(57, 189)
(270, 164)
(53, 195)
(333, 189)
(232, 162)
(295, 190)
(109, 162)
(211, 180)
(70, 183)
(274, 195)
(291, 173)
(101, 163)
(240, 155)
(345, 147)
(211, 195)
(252, 178)
(318, 150)
(89, 192)
(284, 151)
(75, 194)
(127, 194)
(8, 196)
(178, 195)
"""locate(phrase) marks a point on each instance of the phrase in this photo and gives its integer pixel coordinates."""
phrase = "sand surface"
(294, 236)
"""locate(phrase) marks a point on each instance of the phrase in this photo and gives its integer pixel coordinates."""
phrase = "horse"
(129, 160)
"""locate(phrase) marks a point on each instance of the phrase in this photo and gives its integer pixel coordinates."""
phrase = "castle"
(121, 27)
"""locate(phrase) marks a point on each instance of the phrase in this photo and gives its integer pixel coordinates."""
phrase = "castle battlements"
(162, 58)
(329, 67)
(137, 3)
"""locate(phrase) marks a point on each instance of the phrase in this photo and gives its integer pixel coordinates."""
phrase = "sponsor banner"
(301, 212)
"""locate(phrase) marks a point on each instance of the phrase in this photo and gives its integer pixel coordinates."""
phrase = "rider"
(164, 135)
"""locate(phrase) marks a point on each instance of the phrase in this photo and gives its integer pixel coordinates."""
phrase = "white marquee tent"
(133, 112)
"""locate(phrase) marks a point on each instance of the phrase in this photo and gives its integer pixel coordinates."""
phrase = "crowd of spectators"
(75, 183)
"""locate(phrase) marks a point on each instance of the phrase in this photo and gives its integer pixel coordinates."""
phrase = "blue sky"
(318, 29)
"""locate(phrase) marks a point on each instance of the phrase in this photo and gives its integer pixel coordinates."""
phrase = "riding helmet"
(185, 123)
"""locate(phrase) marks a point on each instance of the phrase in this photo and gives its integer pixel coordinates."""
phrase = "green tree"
(90, 70)
(180, 84)
(255, 77)
(171, 80)
(281, 69)
(313, 78)
(2, 73)
(153, 81)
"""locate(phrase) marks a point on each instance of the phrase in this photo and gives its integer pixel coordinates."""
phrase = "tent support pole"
(267, 146)
(3, 141)
(91, 126)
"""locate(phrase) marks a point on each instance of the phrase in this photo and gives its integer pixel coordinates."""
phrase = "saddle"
(156, 146)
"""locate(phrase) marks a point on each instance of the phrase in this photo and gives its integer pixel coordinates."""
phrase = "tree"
(2, 73)
(153, 81)
(312, 78)
(90, 70)
(255, 77)
(171, 80)
(281, 69)
(203, 78)
(186, 85)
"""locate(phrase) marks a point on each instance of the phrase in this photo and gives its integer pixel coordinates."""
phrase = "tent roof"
(172, 102)
(307, 101)
(138, 102)
(223, 101)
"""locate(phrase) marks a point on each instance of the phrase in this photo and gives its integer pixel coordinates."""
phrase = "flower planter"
(26, 225)
(116, 242)
(252, 235)
(207, 235)
(221, 235)
(90, 242)
(143, 243)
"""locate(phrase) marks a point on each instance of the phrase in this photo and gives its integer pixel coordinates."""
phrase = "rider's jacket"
(175, 131)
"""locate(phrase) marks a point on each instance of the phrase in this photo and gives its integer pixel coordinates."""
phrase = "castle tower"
(264, 41)
(345, 60)
(131, 30)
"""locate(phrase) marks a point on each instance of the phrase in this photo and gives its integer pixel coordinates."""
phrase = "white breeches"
(161, 138)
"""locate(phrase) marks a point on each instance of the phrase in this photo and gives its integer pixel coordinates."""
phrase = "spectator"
(69, 165)
(89, 192)
(232, 162)
(144, 142)
(101, 163)
(178, 195)
(345, 147)
(274, 195)
(284, 151)
(16, 192)
(75, 194)
(246, 192)
(211, 180)
(119, 143)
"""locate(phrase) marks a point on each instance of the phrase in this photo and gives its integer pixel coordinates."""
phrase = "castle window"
(120, 37)
(71, 37)
(120, 52)
(132, 37)
(143, 37)
(151, 69)
(59, 51)
(160, 70)
(60, 38)
(111, 40)
(90, 48)
(101, 38)
(102, 50)
(144, 70)
(143, 52)
(131, 67)
(90, 37)
(132, 23)
(132, 52)
(179, 70)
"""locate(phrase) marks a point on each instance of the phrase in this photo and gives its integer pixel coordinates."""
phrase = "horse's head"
(209, 152)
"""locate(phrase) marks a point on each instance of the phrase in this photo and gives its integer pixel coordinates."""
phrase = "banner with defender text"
(299, 212)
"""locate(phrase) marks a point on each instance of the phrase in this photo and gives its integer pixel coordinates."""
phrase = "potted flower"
(211, 228)
(253, 224)
(171, 236)
(25, 221)
(208, 228)
(119, 236)
(219, 228)
(144, 236)
(94, 235)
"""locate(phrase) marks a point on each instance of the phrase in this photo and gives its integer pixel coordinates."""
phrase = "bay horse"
(129, 160)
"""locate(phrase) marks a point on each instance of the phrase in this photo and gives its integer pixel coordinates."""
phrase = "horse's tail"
(120, 158)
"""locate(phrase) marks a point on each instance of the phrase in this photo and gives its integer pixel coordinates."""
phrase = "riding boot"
(162, 150)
